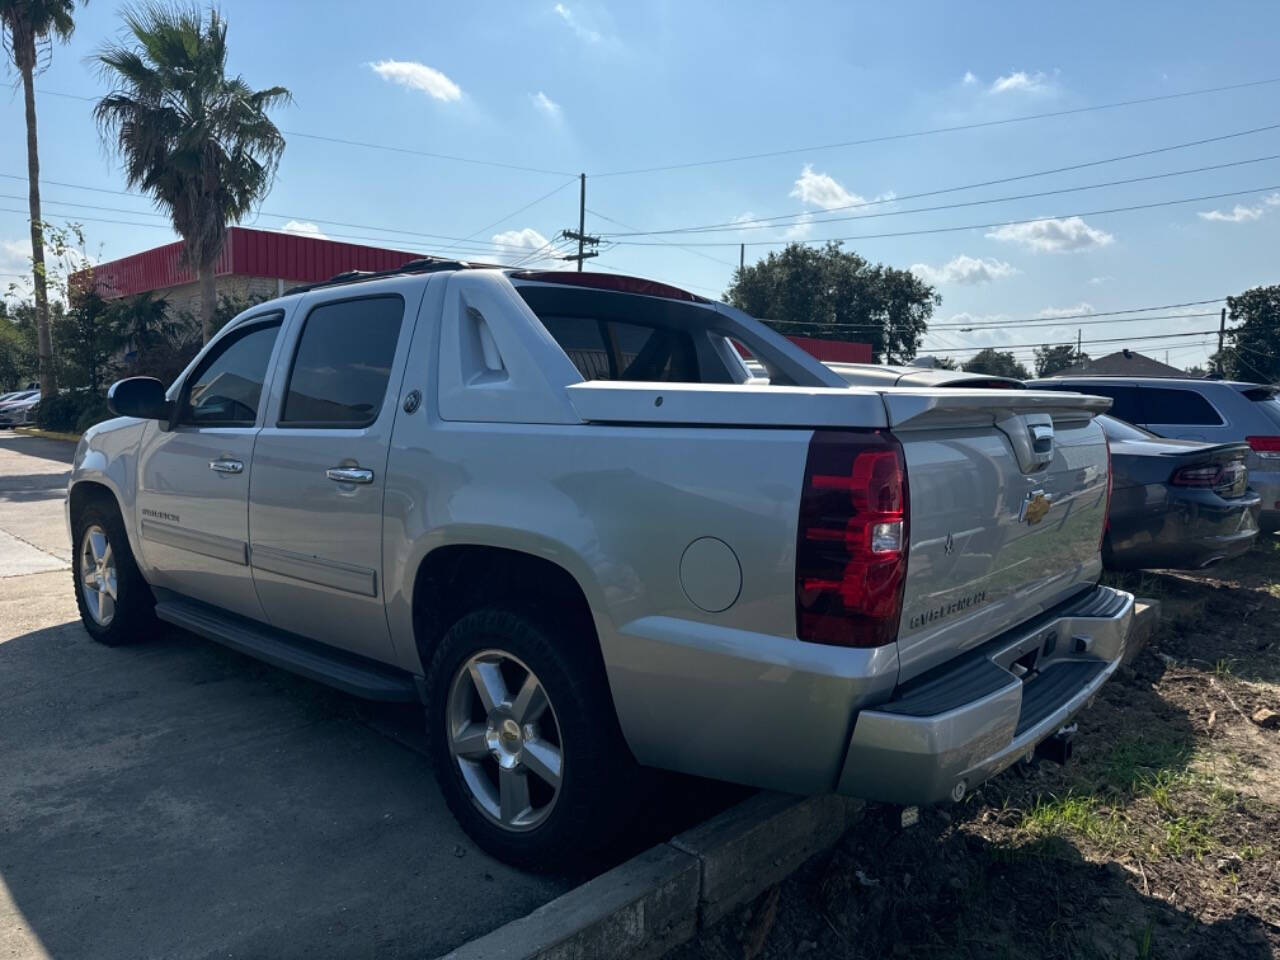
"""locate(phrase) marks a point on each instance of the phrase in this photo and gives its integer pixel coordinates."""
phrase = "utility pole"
(1222, 329)
(742, 256)
(1078, 343)
(581, 233)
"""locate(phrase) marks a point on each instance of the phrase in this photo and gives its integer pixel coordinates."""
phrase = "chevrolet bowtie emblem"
(1035, 506)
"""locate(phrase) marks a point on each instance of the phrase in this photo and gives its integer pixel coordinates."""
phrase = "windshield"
(1122, 430)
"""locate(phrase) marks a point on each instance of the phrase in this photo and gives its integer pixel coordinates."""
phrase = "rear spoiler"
(952, 405)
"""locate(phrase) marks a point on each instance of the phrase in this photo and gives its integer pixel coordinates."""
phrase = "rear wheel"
(115, 602)
(525, 742)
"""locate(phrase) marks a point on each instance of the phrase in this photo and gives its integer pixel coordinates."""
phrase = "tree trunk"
(48, 377)
(208, 300)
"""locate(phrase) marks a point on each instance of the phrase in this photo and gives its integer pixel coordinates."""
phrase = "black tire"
(133, 607)
(597, 793)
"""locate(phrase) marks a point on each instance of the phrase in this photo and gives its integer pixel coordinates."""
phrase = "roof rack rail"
(419, 265)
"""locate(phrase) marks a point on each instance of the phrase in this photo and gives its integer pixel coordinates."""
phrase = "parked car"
(19, 410)
(552, 508)
(1211, 411)
(1176, 503)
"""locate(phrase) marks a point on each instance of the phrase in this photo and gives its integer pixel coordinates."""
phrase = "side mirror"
(138, 397)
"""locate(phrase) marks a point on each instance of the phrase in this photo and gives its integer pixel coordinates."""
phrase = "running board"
(347, 672)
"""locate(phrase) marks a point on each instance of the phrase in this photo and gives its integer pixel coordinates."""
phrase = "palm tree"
(197, 140)
(28, 25)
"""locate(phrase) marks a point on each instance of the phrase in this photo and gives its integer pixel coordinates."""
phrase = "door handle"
(226, 466)
(349, 475)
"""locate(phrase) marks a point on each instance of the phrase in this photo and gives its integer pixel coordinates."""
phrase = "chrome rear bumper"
(944, 733)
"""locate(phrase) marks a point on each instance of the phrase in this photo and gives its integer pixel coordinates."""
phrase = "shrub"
(93, 413)
(65, 411)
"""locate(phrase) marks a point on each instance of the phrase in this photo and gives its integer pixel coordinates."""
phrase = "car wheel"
(115, 602)
(525, 742)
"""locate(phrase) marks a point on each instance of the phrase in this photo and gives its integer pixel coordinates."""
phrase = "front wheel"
(115, 602)
(525, 742)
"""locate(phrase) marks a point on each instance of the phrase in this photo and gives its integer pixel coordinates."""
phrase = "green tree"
(1253, 348)
(995, 363)
(1050, 359)
(87, 338)
(199, 141)
(29, 27)
(837, 295)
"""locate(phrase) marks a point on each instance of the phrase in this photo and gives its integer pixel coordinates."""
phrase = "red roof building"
(255, 264)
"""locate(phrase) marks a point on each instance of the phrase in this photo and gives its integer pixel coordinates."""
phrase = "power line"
(751, 225)
(411, 151)
(970, 226)
(936, 130)
(732, 224)
(1036, 323)
(473, 248)
(531, 203)
(1154, 336)
(705, 256)
(261, 213)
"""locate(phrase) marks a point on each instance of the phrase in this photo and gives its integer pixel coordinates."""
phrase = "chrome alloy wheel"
(98, 582)
(505, 738)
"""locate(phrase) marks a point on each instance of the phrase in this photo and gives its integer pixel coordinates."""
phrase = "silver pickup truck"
(558, 511)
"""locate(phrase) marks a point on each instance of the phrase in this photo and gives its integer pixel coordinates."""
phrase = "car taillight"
(1206, 475)
(851, 550)
(1268, 448)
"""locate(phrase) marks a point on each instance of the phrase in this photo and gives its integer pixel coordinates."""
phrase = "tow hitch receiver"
(1057, 747)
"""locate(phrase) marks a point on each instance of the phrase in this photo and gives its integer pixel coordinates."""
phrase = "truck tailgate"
(1008, 501)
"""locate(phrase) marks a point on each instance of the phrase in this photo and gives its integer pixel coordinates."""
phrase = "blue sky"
(595, 87)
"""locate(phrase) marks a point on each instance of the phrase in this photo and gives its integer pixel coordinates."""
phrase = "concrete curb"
(1146, 616)
(662, 897)
(48, 434)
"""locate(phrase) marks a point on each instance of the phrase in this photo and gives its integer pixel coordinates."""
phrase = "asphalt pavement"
(176, 799)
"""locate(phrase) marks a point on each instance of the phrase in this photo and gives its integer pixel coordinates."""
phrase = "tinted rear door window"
(1166, 405)
(343, 363)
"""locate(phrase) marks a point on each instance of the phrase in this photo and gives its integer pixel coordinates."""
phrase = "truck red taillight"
(851, 549)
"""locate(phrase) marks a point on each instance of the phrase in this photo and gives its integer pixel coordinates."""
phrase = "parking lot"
(177, 799)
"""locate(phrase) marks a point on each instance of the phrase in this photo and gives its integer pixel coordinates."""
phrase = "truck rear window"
(612, 350)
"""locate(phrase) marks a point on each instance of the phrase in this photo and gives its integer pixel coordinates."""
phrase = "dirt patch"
(1160, 839)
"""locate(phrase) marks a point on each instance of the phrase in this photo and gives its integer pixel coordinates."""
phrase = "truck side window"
(342, 363)
(1183, 407)
(225, 389)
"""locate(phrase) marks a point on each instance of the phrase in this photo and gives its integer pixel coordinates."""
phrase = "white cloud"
(418, 76)
(822, 190)
(304, 228)
(1053, 235)
(965, 270)
(1240, 213)
(1237, 214)
(546, 105)
(1053, 313)
(969, 79)
(1021, 82)
(511, 245)
(583, 32)
(1099, 281)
